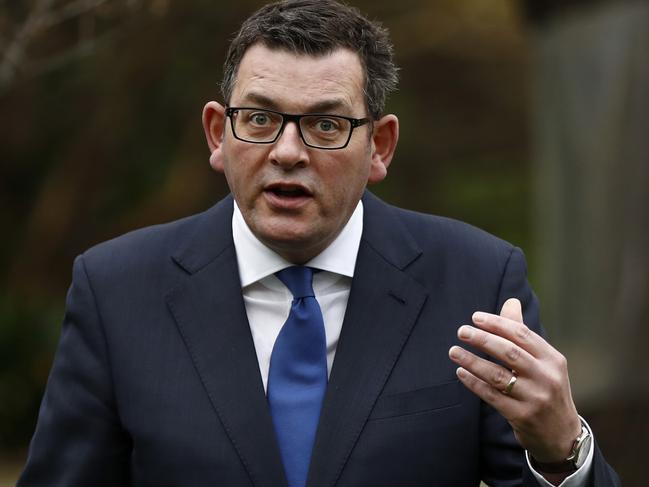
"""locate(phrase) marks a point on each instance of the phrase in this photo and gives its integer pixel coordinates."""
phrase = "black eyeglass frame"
(294, 117)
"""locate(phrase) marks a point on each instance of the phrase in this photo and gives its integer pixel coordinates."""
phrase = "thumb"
(512, 310)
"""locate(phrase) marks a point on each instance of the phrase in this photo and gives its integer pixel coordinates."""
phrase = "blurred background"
(528, 119)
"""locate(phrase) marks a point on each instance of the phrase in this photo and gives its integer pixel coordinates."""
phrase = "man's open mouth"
(288, 190)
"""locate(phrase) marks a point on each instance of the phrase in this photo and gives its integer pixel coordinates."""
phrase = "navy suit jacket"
(156, 382)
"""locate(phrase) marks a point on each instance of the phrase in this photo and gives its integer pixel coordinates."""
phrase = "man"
(209, 352)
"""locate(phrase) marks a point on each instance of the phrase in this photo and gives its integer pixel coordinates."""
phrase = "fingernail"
(465, 332)
(455, 352)
(478, 317)
(461, 373)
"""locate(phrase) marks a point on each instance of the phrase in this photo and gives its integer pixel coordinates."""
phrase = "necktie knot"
(299, 280)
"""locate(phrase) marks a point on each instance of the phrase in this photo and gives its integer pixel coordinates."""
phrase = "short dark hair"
(318, 27)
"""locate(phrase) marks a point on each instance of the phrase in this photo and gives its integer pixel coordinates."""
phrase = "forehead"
(298, 82)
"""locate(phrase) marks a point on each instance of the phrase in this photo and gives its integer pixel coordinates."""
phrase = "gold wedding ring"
(510, 385)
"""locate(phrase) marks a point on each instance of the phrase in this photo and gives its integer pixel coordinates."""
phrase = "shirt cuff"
(576, 479)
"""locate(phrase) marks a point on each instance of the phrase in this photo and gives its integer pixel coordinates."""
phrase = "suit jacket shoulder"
(431, 232)
(449, 255)
(193, 242)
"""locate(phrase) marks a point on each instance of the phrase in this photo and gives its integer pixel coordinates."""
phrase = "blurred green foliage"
(27, 340)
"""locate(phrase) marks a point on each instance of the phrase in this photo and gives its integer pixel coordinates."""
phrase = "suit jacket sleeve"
(78, 432)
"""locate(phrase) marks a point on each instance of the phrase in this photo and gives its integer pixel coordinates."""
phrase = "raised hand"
(527, 381)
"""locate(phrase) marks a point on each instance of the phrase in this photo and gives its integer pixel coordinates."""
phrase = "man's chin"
(294, 246)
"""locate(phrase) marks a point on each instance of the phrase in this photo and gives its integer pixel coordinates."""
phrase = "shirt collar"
(257, 261)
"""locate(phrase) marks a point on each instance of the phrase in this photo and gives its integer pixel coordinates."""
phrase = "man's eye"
(259, 118)
(326, 125)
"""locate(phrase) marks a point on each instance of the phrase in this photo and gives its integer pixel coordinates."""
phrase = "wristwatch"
(576, 459)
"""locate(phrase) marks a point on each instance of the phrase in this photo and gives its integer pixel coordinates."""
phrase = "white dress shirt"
(268, 300)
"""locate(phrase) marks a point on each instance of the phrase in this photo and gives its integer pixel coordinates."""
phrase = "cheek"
(239, 174)
(352, 176)
(345, 188)
(231, 178)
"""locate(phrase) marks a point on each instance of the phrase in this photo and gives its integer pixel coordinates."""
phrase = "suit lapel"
(208, 307)
(383, 307)
(209, 310)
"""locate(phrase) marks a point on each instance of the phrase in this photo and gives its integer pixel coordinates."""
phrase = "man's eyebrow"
(327, 106)
(261, 100)
(323, 106)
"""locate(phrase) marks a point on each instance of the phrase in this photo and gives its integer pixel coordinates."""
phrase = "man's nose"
(289, 149)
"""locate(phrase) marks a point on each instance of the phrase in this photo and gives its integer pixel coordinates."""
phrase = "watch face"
(584, 448)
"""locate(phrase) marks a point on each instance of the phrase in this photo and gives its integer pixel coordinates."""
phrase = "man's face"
(296, 199)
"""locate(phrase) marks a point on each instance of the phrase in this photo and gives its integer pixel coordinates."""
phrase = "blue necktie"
(297, 379)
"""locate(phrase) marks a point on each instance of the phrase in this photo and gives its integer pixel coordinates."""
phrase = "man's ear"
(384, 143)
(214, 125)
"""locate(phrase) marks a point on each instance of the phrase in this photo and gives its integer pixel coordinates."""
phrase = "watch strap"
(554, 467)
(569, 464)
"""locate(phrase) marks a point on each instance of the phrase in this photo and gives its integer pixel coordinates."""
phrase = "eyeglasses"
(318, 130)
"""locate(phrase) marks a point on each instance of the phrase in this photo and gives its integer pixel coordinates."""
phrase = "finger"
(496, 376)
(504, 404)
(514, 331)
(512, 310)
(501, 349)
